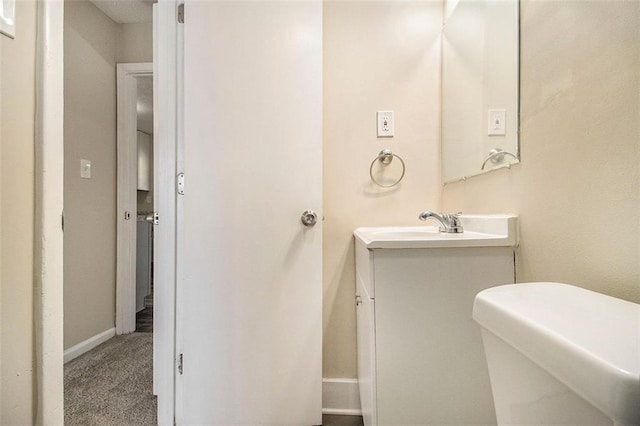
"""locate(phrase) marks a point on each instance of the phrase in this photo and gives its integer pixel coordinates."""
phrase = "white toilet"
(561, 355)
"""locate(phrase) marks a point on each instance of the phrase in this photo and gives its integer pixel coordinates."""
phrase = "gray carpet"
(112, 384)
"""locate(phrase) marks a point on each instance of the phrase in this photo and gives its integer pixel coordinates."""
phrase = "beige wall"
(93, 46)
(577, 190)
(135, 42)
(17, 107)
(377, 56)
(90, 45)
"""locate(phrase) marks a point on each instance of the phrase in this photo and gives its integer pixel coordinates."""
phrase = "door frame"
(166, 45)
(49, 188)
(48, 237)
(127, 175)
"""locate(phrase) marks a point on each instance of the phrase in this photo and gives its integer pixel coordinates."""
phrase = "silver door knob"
(309, 218)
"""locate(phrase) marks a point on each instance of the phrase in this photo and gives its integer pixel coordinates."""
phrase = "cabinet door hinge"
(181, 13)
(180, 358)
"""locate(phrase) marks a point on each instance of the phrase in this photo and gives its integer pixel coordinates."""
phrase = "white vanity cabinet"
(420, 354)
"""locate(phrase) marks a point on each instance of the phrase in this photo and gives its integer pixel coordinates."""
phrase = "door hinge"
(180, 183)
(180, 364)
(62, 217)
(181, 13)
(155, 218)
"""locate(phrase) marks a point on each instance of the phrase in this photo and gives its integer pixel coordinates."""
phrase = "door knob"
(152, 218)
(309, 218)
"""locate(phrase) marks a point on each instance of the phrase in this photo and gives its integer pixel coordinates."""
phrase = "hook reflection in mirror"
(496, 156)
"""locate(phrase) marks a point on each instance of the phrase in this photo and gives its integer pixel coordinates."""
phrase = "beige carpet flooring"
(112, 384)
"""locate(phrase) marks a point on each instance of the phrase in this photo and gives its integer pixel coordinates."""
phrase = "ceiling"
(126, 11)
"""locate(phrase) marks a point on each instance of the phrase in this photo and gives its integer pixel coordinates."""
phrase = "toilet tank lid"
(587, 340)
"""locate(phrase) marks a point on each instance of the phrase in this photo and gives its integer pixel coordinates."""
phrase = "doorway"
(135, 204)
(145, 212)
(53, 35)
(101, 63)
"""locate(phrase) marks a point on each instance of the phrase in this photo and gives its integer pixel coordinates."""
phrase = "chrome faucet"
(448, 222)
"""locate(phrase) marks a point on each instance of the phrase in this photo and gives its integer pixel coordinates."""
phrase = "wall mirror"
(480, 87)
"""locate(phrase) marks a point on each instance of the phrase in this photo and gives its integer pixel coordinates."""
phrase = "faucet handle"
(456, 226)
(451, 216)
(453, 223)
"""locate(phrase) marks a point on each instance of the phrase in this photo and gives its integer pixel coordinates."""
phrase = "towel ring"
(386, 157)
(496, 156)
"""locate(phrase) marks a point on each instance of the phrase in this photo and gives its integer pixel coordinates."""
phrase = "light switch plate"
(497, 122)
(385, 124)
(85, 169)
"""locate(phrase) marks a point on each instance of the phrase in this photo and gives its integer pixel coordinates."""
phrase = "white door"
(249, 320)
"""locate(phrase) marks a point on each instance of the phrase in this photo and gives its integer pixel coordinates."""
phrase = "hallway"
(112, 384)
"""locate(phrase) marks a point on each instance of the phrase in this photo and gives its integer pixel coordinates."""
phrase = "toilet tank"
(560, 354)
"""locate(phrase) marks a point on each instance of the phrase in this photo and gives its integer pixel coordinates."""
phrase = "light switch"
(497, 122)
(85, 169)
(385, 124)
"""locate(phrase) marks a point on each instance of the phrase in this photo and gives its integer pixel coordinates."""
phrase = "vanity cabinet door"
(430, 362)
(365, 311)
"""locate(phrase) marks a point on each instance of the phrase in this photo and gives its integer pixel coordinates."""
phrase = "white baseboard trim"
(82, 347)
(341, 397)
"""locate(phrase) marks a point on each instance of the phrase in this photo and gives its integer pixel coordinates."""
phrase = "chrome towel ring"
(385, 157)
(496, 156)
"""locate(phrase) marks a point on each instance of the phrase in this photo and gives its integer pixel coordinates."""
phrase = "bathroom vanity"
(420, 354)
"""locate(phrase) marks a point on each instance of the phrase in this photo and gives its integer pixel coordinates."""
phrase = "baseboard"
(341, 396)
(85, 346)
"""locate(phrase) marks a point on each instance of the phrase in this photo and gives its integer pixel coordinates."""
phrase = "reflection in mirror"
(480, 86)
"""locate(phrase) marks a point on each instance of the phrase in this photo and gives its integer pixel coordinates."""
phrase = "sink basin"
(479, 231)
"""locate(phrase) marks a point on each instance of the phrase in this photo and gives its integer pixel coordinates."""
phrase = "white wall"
(377, 56)
(17, 119)
(577, 190)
